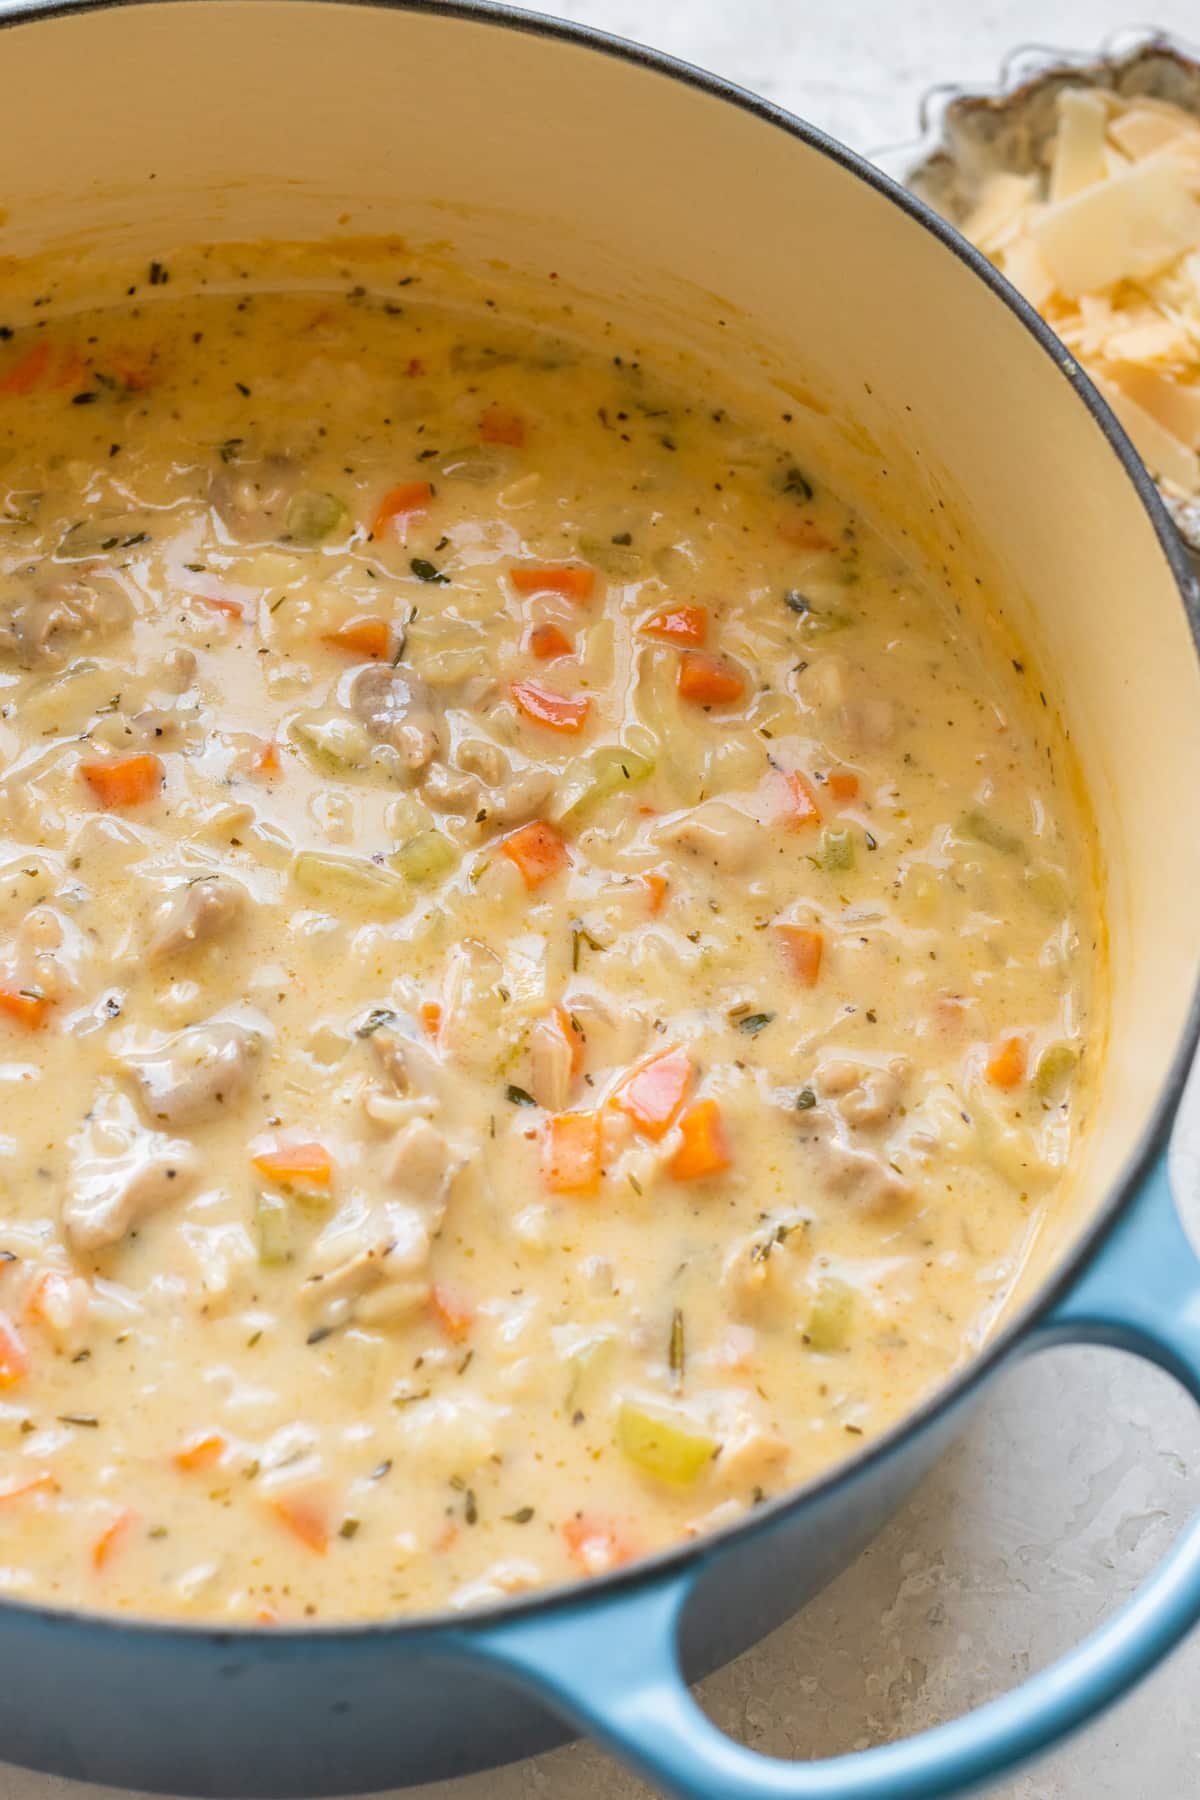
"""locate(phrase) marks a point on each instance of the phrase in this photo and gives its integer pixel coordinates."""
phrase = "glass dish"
(967, 133)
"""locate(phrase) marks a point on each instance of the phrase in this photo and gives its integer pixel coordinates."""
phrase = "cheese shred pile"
(1105, 243)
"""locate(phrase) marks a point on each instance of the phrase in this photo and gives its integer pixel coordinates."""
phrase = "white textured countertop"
(1081, 1467)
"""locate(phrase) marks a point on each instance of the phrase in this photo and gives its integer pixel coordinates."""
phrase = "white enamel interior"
(143, 127)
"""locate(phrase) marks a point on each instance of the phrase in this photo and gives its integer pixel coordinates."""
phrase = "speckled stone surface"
(1081, 1467)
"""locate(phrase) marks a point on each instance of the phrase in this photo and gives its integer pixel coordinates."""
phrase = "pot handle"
(610, 1664)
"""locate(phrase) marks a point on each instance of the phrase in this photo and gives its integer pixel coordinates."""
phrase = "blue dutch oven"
(133, 128)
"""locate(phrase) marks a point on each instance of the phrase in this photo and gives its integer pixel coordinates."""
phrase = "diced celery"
(335, 746)
(429, 856)
(349, 881)
(311, 1199)
(829, 1321)
(311, 517)
(614, 559)
(273, 1229)
(666, 1446)
(837, 851)
(598, 777)
(1055, 1066)
(1048, 886)
(986, 830)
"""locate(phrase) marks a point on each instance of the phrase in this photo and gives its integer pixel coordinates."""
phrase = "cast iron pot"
(155, 123)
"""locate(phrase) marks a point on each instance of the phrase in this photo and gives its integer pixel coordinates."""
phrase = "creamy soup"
(545, 966)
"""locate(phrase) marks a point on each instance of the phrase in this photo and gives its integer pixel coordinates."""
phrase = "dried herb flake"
(675, 1349)
(376, 1019)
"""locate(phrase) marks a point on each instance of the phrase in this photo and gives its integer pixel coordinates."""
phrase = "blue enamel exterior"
(172, 1708)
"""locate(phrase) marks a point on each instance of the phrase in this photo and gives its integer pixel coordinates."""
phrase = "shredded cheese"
(1105, 243)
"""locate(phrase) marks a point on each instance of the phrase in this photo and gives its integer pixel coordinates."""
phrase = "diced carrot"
(370, 637)
(538, 851)
(14, 1358)
(29, 369)
(431, 1017)
(267, 761)
(41, 1294)
(546, 641)
(452, 1312)
(657, 885)
(705, 1147)
(43, 1482)
(801, 531)
(124, 780)
(110, 1537)
(305, 1518)
(677, 625)
(804, 948)
(594, 1546)
(571, 1151)
(1006, 1065)
(571, 1038)
(843, 785)
(707, 681)
(500, 425)
(445, 1537)
(49, 1299)
(801, 800)
(557, 712)
(199, 1452)
(297, 1165)
(25, 1006)
(654, 1093)
(266, 1616)
(575, 581)
(401, 503)
(232, 609)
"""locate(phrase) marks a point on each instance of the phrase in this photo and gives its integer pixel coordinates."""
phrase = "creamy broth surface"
(547, 973)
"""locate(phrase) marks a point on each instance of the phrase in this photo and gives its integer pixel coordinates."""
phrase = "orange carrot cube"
(705, 1147)
(571, 1153)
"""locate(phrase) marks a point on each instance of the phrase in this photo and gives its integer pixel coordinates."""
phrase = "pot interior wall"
(310, 120)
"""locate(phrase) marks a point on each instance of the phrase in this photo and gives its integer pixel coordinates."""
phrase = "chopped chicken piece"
(373, 1266)
(716, 833)
(197, 1072)
(398, 710)
(121, 1175)
(420, 1165)
(198, 912)
(42, 624)
(867, 1095)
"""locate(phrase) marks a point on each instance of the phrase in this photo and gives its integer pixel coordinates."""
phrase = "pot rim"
(647, 1571)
